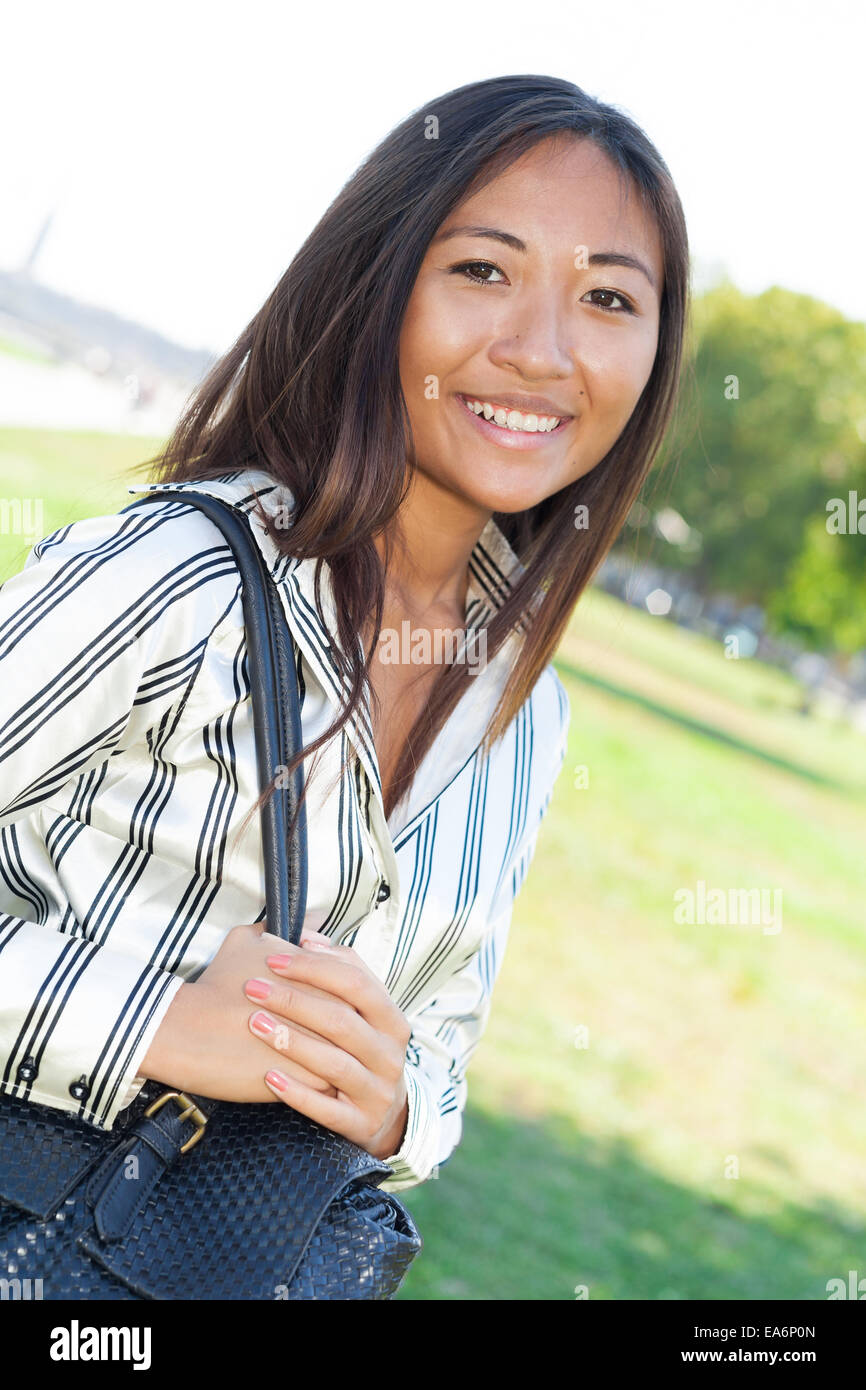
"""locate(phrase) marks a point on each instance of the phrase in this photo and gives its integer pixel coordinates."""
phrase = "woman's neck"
(432, 540)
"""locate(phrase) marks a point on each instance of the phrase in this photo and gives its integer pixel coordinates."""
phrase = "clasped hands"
(324, 1036)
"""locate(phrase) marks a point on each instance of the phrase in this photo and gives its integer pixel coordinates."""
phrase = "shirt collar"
(493, 570)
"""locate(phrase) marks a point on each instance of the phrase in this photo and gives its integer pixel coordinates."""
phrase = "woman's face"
(553, 319)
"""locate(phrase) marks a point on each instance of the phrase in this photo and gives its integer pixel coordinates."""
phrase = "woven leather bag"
(190, 1198)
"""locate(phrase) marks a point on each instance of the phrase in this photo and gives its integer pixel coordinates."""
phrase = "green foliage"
(826, 589)
(777, 429)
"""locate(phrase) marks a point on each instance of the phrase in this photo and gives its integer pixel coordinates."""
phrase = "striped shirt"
(127, 763)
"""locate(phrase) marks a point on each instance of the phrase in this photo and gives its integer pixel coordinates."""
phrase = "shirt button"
(384, 892)
(28, 1070)
(79, 1089)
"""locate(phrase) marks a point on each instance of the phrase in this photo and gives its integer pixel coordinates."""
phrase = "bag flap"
(44, 1153)
(232, 1218)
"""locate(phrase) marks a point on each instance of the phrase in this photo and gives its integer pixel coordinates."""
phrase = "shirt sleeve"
(98, 640)
(446, 1032)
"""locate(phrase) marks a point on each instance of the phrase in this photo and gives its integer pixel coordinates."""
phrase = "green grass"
(26, 353)
(72, 475)
(712, 1050)
(709, 1140)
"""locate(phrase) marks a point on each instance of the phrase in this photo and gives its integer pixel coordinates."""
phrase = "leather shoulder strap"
(276, 715)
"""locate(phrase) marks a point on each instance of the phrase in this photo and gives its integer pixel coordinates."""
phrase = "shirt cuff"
(130, 1082)
(113, 1004)
(416, 1159)
(134, 1088)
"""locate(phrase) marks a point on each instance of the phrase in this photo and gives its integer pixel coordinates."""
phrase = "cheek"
(439, 334)
(617, 374)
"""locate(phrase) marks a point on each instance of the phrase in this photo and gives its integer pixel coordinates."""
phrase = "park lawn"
(704, 1137)
(31, 352)
(657, 1110)
(74, 474)
(688, 674)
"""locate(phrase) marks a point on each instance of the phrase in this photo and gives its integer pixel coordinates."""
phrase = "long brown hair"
(310, 392)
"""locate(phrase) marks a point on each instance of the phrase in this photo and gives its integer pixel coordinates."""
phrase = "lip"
(525, 403)
(511, 439)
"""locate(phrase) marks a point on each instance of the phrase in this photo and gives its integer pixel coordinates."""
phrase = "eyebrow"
(596, 258)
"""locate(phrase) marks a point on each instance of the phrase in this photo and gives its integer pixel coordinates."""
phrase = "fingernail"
(318, 945)
(262, 1023)
(257, 989)
(278, 962)
(277, 1080)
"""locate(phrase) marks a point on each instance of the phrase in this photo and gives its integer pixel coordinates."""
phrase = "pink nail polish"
(278, 962)
(262, 1023)
(257, 989)
(277, 1080)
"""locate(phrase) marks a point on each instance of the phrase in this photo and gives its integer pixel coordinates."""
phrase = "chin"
(510, 498)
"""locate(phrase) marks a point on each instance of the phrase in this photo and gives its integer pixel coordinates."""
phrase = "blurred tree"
(779, 429)
(824, 600)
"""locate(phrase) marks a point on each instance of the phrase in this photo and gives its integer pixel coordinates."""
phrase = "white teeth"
(513, 419)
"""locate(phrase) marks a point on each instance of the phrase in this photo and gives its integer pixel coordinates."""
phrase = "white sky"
(188, 148)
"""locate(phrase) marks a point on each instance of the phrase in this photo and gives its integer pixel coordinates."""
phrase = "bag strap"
(164, 1132)
(276, 714)
(159, 1136)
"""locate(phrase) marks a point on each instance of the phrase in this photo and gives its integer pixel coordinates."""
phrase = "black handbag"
(186, 1197)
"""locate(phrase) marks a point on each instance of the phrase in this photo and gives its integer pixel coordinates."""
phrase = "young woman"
(437, 423)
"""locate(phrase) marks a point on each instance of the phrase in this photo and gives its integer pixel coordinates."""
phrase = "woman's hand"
(204, 1043)
(323, 1009)
(341, 1039)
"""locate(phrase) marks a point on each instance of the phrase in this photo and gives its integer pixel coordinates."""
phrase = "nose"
(535, 342)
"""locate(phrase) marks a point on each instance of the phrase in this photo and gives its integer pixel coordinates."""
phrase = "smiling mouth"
(514, 421)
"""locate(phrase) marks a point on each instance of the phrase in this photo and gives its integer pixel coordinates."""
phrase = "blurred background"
(661, 1108)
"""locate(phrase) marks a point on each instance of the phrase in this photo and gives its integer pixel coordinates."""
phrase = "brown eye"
(627, 306)
(466, 268)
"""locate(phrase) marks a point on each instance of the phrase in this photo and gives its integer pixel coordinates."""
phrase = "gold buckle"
(189, 1111)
